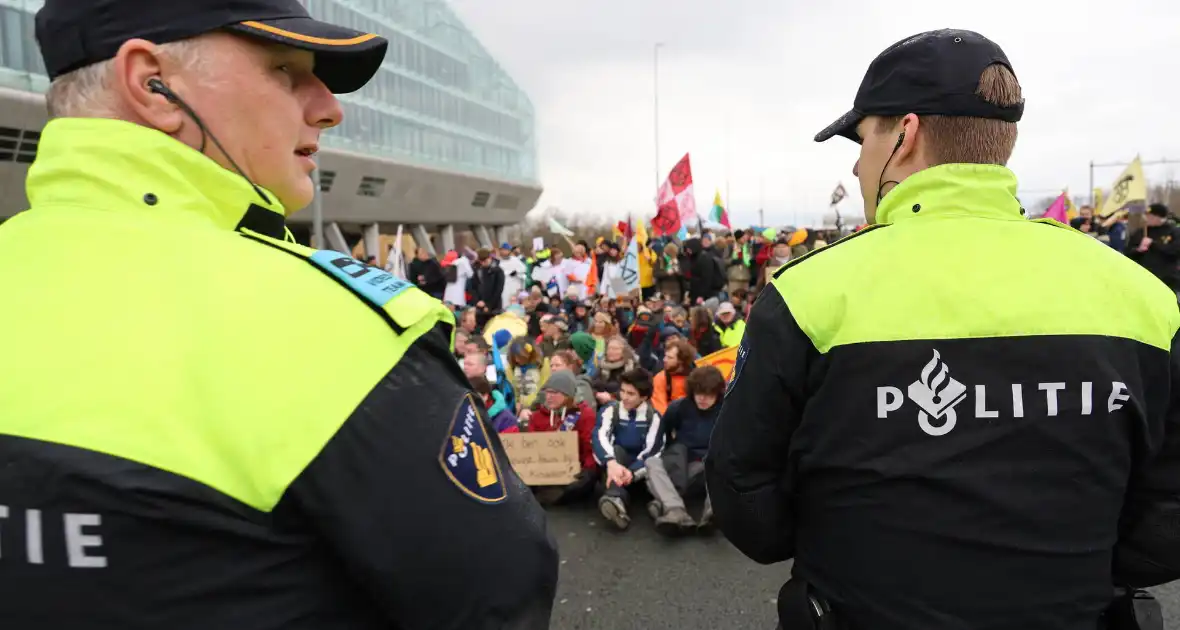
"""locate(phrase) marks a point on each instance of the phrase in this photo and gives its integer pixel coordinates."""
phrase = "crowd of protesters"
(551, 343)
(1150, 238)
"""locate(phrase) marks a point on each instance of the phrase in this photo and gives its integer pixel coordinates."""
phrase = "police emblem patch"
(467, 458)
(738, 363)
(375, 285)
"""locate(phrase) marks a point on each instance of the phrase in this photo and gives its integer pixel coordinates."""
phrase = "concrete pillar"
(484, 238)
(372, 240)
(448, 237)
(504, 235)
(336, 240)
(422, 238)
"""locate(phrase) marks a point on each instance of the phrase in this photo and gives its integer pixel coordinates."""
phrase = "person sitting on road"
(679, 471)
(499, 415)
(559, 412)
(628, 434)
(669, 384)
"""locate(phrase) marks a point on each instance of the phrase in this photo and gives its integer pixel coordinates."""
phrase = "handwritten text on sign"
(543, 459)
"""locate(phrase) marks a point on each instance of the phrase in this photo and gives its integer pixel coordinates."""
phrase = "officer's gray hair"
(86, 92)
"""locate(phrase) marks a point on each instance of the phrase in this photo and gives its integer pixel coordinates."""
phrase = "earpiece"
(157, 86)
(900, 139)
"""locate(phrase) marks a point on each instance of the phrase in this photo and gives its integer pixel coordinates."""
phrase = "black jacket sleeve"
(1148, 551)
(427, 553)
(748, 472)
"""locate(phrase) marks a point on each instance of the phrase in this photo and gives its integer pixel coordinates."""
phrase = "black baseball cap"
(934, 73)
(76, 33)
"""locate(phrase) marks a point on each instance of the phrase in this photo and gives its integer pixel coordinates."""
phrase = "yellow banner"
(722, 360)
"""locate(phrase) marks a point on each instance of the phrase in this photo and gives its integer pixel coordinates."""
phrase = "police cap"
(76, 33)
(934, 73)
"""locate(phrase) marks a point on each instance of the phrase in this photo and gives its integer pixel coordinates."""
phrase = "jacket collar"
(119, 166)
(953, 190)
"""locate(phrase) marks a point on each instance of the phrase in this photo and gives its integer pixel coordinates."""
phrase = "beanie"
(562, 382)
(584, 345)
(502, 338)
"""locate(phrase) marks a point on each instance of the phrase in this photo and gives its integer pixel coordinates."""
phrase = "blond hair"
(971, 140)
(86, 92)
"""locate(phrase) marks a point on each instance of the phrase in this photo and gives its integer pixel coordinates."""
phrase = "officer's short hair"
(969, 140)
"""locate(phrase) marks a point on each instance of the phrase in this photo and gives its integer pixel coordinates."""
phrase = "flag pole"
(656, 103)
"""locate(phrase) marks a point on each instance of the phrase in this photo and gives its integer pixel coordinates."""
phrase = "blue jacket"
(685, 423)
(638, 432)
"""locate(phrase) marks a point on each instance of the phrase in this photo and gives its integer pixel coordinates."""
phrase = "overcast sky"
(745, 84)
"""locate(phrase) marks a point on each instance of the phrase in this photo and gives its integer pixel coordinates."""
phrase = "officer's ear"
(134, 67)
(911, 144)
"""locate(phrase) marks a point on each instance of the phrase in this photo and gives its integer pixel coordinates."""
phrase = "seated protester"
(584, 387)
(460, 348)
(476, 364)
(560, 412)
(499, 415)
(729, 327)
(554, 336)
(705, 337)
(628, 435)
(586, 348)
(524, 369)
(671, 383)
(477, 345)
(617, 360)
(679, 471)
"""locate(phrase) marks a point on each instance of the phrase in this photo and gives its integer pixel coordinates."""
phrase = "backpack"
(451, 274)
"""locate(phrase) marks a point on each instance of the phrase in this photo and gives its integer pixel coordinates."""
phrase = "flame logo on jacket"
(935, 392)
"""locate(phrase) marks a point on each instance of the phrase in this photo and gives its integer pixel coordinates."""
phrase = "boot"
(655, 509)
(674, 522)
(613, 510)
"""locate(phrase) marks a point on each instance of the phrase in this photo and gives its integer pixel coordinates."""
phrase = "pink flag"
(1057, 211)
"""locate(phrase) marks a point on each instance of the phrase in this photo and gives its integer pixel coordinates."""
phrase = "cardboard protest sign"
(543, 459)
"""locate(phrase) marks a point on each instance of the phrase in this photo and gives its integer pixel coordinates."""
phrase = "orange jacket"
(661, 397)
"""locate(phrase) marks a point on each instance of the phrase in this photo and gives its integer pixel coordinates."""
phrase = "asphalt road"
(614, 580)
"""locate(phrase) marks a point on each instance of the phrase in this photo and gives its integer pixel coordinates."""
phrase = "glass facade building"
(439, 101)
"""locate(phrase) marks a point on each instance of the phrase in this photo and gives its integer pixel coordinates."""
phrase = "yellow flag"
(1128, 192)
(1098, 195)
(1071, 211)
(641, 231)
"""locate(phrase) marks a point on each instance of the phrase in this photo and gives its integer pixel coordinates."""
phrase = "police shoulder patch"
(374, 285)
(467, 457)
(738, 363)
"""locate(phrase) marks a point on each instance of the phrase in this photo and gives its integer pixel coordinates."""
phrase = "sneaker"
(705, 525)
(674, 522)
(613, 510)
(655, 509)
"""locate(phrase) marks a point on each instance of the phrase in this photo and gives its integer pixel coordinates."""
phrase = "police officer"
(937, 432)
(203, 425)
(1157, 246)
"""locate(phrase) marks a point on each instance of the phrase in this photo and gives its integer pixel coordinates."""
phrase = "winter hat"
(562, 382)
(1158, 209)
(502, 338)
(670, 331)
(727, 307)
(584, 345)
